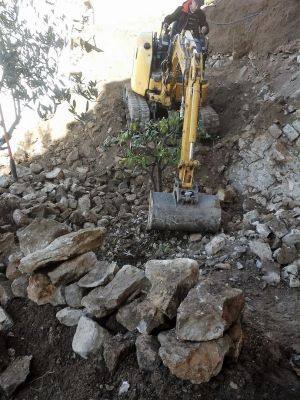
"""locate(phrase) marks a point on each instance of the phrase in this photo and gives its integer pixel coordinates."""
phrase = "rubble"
(116, 348)
(69, 316)
(6, 322)
(215, 245)
(100, 275)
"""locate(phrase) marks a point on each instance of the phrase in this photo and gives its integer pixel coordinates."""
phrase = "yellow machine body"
(142, 64)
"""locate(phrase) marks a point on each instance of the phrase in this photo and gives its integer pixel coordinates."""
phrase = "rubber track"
(137, 107)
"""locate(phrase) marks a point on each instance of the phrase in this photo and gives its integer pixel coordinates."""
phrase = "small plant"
(152, 147)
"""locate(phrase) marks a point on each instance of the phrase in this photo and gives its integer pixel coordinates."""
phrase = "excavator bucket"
(201, 215)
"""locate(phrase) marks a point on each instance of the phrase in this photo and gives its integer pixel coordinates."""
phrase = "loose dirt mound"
(274, 22)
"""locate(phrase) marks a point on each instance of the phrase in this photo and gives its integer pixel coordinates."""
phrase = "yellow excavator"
(168, 74)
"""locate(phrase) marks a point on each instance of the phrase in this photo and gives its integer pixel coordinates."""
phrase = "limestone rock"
(71, 270)
(170, 281)
(278, 227)
(275, 131)
(73, 295)
(102, 273)
(12, 271)
(261, 250)
(103, 301)
(89, 337)
(197, 362)
(15, 374)
(226, 195)
(292, 238)
(20, 218)
(84, 203)
(40, 289)
(290, 132)
(44, 231)
(5, 292)
(215, 245)
(285, 255)
(36, 168)
(63, 248)
(271, 271)
(6, 322)
(7, 245)
(56, 173)
(208, 311)
(141, 315)
(116, 348)
(69, 316)
(19, 286)
(147, 352)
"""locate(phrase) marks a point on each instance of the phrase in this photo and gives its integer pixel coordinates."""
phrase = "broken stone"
(236, 335)
(102, 273)
(195, 237)
(271, 271)
(296, 125)
(147, 352)
(17, 188)
(261, 250)
(7, 245)
(197, 362)
(72, 156)
(285, 255)
(56, 173)
(44, 231)
(19, 286)
(226, 195)
(5, 292)
(275, 131)
(290, 274)
(63, 248)
(290, 132)
(89, 337)
(103, 301)
(116, 348)
(84, 203)
(19, 218)
(12, 270)
(5, 181)
(292, 238)
(208, 311)
(170, 281)
(215, 245)
(251, 216)
(277, 227)
(6, 322)
(262, 230)
(15, 374)
(73, 295)
(40, 289)
(141, 315)
(71, 270)
(36, 168)
(69, 316)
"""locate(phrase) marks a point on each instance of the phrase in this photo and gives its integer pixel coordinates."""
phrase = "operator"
(190, 17)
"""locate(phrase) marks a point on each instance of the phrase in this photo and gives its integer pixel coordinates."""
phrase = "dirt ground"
(271, 321)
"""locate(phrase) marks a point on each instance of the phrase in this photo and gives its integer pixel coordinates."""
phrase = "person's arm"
(169, 19)
(202, 21)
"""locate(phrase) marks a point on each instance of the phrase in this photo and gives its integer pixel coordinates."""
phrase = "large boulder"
(71, 270)
(197, 362)
(63, 248)
(170, 281)
(39, 234)
(208, 311)
(102, 301)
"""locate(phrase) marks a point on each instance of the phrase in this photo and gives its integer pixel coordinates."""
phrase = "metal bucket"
(166, 214)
